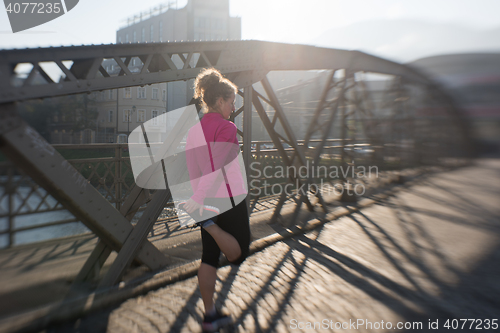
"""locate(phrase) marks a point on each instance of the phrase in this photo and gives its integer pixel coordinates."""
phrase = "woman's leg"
(213, 239)
(207, 276)
(216, 239)
(234, 232)
(226, 242)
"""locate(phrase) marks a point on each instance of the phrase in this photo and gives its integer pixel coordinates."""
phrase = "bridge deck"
(424, 253)
(429, 252)
(37, 274)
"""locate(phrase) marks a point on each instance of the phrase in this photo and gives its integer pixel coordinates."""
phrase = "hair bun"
(210, 85)
(208, 77)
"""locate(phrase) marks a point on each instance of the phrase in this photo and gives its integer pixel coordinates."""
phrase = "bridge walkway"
(38, 274)
(429, 252)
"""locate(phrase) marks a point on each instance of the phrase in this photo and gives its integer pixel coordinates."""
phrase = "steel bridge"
(414, 123)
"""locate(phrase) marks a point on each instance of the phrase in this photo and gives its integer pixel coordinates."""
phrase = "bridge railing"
(29, 214)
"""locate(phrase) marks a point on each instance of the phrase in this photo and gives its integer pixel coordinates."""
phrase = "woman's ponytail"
(210, 85)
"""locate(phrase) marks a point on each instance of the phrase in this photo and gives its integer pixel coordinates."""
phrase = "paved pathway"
(429, 253)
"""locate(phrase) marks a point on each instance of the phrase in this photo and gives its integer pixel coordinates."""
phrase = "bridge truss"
(412, 121)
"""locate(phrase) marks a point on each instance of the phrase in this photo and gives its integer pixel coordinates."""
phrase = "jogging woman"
(217, 181)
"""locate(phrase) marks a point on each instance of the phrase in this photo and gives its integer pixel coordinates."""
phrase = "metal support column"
(288, 162)
(247, 135)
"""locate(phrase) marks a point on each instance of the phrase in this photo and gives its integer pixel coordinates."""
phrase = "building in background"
(199, 20)
(121, 110)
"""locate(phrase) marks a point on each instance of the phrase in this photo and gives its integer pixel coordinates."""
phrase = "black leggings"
(234, 221)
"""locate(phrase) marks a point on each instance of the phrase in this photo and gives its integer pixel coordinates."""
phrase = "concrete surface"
(426, 255)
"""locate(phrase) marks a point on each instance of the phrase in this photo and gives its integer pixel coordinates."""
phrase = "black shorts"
(234, 221)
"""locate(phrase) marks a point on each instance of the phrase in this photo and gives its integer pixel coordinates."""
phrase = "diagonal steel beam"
(275, 138)
(187, 61)
(168, 60)
(322, 106)
(204, 56)
(94, 68)
(65, 69)
(31, 75)
(136, 238)
(160, 198)
(45, 76)
(146, 64)
(101, 252)
(282, 117)
(319, 109)
(137, 197)
(280, 114)
(123, 65)
(38, 159)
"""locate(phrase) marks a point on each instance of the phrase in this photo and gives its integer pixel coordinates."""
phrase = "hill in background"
(408, 40)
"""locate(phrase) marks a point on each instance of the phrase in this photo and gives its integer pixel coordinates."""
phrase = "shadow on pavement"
(396, 263)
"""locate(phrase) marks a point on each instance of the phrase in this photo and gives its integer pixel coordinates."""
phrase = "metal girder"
(324, 106)
(277, 142)
(243, 62)
(38, 159)
(93, 264)
(282, 118)
(314, 124)
(86, 73)
(247, 132)
(136, 238)
(280, 114)
(270, 130)
(137, 197)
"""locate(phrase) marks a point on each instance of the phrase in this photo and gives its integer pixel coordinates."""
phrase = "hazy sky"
(281, 21)
(95, 21)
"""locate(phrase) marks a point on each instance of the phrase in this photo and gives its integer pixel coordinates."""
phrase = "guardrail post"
(258, 153)
(247, 134)
(10, 192)
(118, 176)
